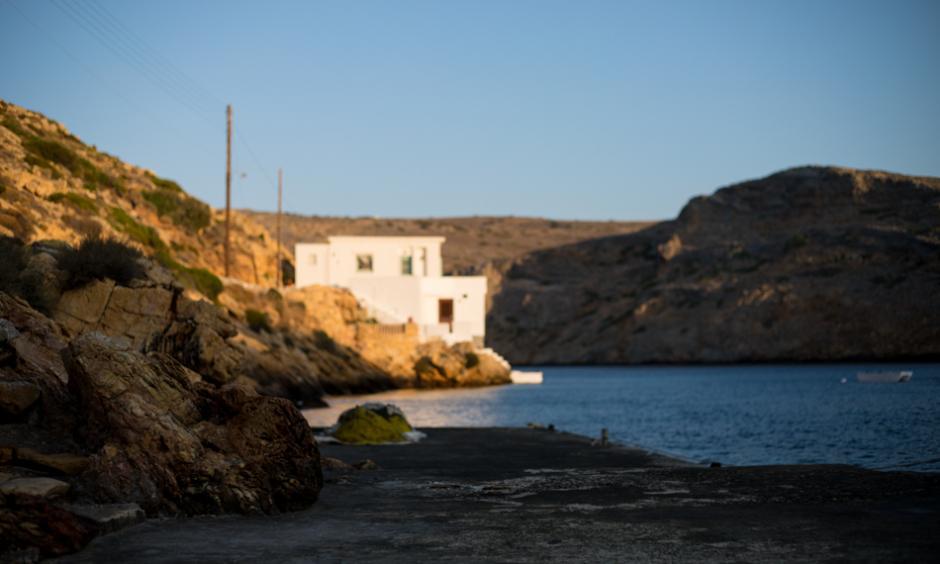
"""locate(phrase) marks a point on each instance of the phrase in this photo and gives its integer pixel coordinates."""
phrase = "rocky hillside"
(813, 263)
(54, 186)
(475, 245)
(56, 191)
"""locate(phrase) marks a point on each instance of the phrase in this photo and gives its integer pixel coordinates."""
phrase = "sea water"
(737, 415)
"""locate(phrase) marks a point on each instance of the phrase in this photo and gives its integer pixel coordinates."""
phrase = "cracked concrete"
(522, 495)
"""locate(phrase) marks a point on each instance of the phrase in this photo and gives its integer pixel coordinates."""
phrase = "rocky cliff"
(812, 263)
(55, 187)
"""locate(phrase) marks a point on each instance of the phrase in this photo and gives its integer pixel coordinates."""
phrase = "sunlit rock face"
(172, 443)
(813, 263)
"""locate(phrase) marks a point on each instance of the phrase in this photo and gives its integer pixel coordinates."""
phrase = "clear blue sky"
(573, 109)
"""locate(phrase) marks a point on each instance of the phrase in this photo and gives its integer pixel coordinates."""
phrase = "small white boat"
(520, 377)
(887, 377)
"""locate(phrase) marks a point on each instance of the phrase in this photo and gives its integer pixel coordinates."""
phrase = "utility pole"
(228, 180)
(280, 181)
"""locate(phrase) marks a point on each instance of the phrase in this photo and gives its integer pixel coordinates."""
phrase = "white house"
(399, 279)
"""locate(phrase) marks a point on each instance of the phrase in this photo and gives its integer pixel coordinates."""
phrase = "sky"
(571, 109)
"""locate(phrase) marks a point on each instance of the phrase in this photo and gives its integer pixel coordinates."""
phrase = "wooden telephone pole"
(228, 180)
(280, 181)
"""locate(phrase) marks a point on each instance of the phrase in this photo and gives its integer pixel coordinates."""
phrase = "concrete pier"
(528, 495)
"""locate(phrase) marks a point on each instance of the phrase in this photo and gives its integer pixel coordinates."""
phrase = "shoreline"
(502, 493)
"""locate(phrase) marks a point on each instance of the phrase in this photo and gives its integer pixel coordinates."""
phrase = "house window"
(364, 263)
(406, 265)
(313, 260)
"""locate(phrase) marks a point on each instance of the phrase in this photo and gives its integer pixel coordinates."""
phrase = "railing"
(449, 332)
(389, 329)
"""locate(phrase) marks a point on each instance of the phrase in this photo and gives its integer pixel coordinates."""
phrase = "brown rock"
(198, 338)
(178, 447)
(811, 263)
(16, 398)
(33, 525)
(65, 463)
(140, 314)
(37, 487)
(32, 344)
(137, 314)
(81, 308)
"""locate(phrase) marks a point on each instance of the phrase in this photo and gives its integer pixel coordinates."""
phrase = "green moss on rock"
(372, 424)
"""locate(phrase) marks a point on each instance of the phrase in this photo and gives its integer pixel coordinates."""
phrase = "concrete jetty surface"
(525, 495)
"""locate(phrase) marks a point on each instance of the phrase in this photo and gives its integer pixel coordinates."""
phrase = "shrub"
(55, 152)
(324, 341)
(17, 279)
(184, 211)
(425, 365)
(143, 234)
(288, 275)
(198, 279)
(471, 360)
(96, 258)
(18, 222)
(258, 321)
(165, 183)
(84, 226)
(204, 281)
(14, 126)
(14, 261)
(42, 152)
(74, 200)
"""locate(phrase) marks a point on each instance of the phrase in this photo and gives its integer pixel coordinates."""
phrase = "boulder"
(172, 443)
(62, 463)
(458, 366)
(16, 398)
(110, 517)
(137, 314)
(44, 488)
(197, 337)
(372, 423)
(30, 346)
(31, 527)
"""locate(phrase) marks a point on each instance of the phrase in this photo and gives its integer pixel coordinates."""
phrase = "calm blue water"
(739, 415)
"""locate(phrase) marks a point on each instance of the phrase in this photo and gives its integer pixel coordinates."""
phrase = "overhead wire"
(122, 42)
(107, 40)
(147, 52)
(142, 109)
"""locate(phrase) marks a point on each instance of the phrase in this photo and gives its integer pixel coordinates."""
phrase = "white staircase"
(381, 314)
(497, 357)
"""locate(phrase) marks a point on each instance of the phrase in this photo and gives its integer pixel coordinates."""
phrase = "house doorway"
(445, 313)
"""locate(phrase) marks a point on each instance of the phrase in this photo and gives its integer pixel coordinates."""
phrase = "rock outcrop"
(370, 424)
(95, 419)
(812, 263)
(55, 187)
(172, 443)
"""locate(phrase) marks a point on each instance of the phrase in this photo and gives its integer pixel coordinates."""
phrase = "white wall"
(312, 265)
(387, 253)
(417, 299)
(392, 296)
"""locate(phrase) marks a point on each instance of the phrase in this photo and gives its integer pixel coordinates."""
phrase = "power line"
(130, 101)
(108, 42)
(122, 42)
(157, 60)
(143, 59)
